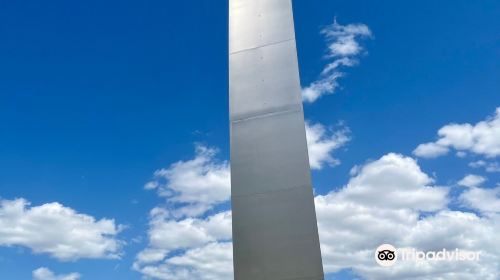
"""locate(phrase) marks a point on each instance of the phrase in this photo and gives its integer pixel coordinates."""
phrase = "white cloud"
(213, 261)
(45, 274)
(391, 200)
(478, 164)
(401, 181)
(493, 167)
(343, 49)
(205, 247)
(150, 255)
(461, 154)
(472, 181)
(483, 200)
(386, 200)
(431, 150)
(196, 185)
(482, 138)
(345, 218)
(321, 144)
(58, 231)
(342, 38)
(171, 235)
(488, 166)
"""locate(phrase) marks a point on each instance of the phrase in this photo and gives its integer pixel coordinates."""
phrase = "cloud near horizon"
(44, 273)
(58, 231)
(413, 212)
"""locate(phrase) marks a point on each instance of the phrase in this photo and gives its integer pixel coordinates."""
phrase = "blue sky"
(96, 96)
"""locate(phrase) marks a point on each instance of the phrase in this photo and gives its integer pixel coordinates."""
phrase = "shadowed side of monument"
(275, 234)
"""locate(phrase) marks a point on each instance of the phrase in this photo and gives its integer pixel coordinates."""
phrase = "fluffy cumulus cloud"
(412, 212)
(482, 138)
(213, 261)
(189, 248)
(196, 185)
(322, 143)
(58, 231)
(401, 181)
(344, 48)
(430, 150)
(471, 181)
(484, 200)
(45, 274)
(182, 245)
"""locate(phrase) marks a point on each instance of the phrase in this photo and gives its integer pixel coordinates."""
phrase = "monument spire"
(275, 234)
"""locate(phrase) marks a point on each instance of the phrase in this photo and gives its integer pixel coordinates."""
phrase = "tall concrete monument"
(275, 234)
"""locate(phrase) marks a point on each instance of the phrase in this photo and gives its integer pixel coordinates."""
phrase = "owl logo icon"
(386, 255)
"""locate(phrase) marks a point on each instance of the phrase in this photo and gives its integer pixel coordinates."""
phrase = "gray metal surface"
(269, 154)
(264, 80)
(275, 233)
(275, 236)
(256, 23)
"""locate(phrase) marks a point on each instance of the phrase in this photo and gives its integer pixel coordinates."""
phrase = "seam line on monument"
(263, 46)
(275, 191)
(270, 114)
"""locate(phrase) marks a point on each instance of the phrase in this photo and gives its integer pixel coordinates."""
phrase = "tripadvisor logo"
(386, 255)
